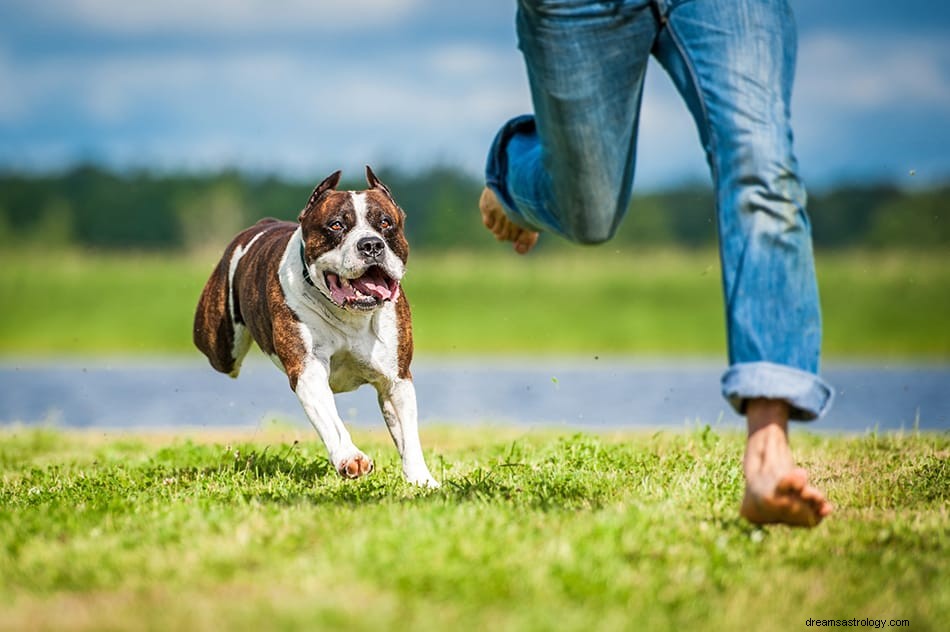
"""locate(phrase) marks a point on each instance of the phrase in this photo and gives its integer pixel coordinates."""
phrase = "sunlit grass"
(530, 531)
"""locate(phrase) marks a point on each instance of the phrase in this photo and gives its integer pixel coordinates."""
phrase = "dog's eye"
(336, 226)
(385, 223)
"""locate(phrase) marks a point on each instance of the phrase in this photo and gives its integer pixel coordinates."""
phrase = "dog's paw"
(354, 466)
(423, 479)
(431, 483)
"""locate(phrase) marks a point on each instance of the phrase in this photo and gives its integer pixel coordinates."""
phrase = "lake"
(567, 393)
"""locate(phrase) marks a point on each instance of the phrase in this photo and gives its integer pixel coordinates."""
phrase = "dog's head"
(354, 249)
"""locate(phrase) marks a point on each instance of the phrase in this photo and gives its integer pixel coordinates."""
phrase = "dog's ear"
(328, 184)
(376, 183)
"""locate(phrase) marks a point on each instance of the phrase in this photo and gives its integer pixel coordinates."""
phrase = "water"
(589, 394)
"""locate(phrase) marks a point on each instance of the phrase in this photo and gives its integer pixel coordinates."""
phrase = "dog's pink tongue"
(337, 291)
(374, 283)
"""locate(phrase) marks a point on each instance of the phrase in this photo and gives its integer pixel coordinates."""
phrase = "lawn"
(530, 531)
(584, 302)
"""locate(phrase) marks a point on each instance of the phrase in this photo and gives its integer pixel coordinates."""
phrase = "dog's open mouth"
(365, 292)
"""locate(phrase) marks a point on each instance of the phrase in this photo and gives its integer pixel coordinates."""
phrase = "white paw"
(423, 479)
(354, 465)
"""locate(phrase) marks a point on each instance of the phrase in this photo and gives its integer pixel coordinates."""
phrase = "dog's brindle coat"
(322, 299)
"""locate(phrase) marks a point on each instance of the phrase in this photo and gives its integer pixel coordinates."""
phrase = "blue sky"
(302, 87)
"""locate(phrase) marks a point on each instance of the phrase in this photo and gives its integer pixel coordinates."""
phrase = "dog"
(322, 298)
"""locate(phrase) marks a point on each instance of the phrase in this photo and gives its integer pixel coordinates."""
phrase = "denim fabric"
(568, 169)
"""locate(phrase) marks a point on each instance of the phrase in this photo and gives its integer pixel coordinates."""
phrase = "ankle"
(762, 413)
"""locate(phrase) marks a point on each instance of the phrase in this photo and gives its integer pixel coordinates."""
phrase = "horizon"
(252, 174)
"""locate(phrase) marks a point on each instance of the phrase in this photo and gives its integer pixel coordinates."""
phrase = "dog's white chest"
(348, 373)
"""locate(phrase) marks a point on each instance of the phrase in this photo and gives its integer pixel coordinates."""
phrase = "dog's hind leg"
(214, 327)
(218, 331)
(242, 343)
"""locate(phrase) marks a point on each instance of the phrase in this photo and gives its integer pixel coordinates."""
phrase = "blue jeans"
(569, 168)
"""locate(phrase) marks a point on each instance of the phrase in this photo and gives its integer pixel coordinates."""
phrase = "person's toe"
(490, 220)
(792, 483)
(525, 241)
(816, 499)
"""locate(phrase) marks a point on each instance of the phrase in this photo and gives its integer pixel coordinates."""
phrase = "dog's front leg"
(313, 391)
(397, 401)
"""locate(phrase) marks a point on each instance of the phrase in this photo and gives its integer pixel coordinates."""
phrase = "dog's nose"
(371, 247)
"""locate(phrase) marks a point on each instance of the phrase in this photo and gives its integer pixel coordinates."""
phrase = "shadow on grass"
(289, 464)
(574, 473)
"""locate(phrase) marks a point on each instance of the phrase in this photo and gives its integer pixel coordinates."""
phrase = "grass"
(587, 301)
(531, 531)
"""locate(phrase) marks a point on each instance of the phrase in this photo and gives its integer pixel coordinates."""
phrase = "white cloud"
(275, 109)
(469, 59)
(866, 73)
(12, 104)
(301, 109)
(868, 104)
(103, 91)
(283, 110)
(226, 16)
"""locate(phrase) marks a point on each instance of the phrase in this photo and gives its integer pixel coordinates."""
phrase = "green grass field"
(530, 531)
(585, 302)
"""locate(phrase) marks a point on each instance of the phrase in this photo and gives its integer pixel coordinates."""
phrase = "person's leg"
(733, 61)
(569, 168)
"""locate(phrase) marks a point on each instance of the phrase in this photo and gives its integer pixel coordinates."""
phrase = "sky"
(300, 88)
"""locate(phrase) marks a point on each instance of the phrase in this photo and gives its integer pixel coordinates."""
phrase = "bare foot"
(495, 220)
(776, 490)
(355, 466)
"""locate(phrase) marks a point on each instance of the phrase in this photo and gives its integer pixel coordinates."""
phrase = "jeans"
(568, 169)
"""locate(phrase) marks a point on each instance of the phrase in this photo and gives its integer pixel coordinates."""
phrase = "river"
(561, 393)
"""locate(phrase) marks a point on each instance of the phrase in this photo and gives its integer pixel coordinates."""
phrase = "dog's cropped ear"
(327, 185)
(376, 183)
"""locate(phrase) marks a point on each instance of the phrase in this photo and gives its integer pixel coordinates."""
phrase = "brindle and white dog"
(322, 298)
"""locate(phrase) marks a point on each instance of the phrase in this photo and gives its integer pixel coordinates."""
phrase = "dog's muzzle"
(368, 291)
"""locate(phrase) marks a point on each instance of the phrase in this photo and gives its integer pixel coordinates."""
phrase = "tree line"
(91, 207)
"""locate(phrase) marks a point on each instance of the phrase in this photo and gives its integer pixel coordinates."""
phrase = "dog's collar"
(303, 261)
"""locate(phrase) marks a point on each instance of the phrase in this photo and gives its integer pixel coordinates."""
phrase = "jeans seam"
(711, 152)
(688, 63)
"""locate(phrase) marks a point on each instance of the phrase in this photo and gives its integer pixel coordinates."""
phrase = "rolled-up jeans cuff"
(808, 396)
(496, 167)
